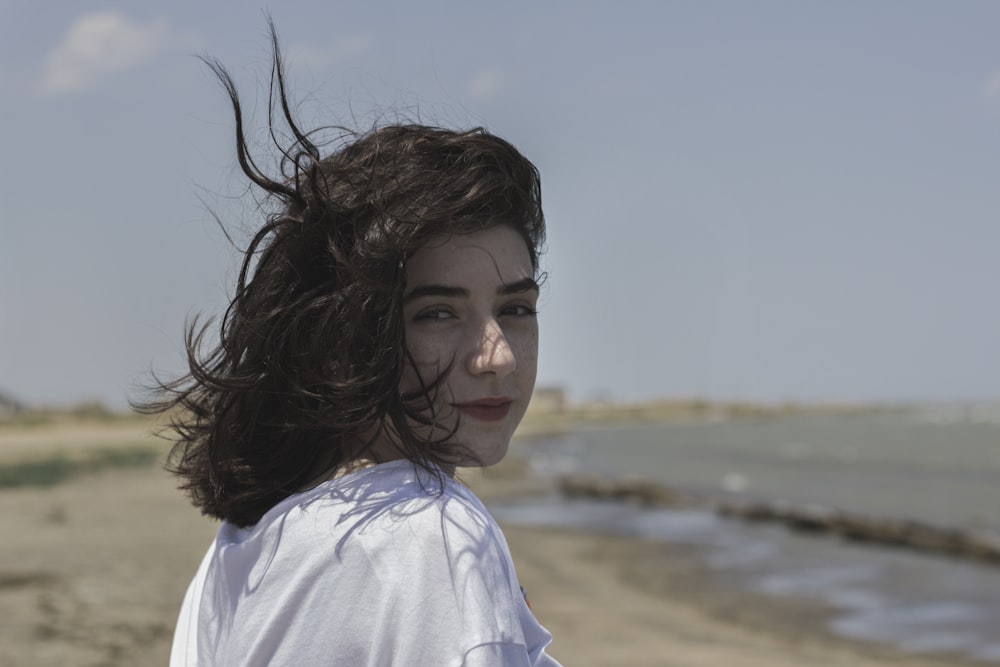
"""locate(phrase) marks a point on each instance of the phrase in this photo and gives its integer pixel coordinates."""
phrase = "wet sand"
(92, 572)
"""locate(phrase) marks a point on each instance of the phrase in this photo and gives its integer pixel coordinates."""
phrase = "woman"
(383, 331)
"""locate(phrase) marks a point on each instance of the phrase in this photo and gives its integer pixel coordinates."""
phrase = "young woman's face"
(470, 304)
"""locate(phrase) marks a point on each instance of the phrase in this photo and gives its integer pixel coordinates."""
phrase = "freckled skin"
(470, 302)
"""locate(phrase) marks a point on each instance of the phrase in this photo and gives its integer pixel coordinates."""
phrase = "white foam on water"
(926, 628)
(815, 582)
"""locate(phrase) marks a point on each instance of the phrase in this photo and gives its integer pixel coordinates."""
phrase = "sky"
(768, 201)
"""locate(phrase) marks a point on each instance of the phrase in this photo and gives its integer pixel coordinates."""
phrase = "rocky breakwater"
(980, 545)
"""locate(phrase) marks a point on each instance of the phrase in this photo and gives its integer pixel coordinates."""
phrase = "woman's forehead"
(498, 251)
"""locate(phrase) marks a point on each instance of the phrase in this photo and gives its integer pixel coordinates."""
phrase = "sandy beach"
(93, 569)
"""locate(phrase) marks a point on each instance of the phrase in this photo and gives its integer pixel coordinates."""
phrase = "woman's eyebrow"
(450, 292)
(435, 290)
(524, 285)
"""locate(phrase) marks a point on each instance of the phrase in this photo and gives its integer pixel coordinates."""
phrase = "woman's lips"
(487, 409)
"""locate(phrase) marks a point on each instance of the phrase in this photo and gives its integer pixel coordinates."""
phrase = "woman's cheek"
(526, 341)
(430, 353)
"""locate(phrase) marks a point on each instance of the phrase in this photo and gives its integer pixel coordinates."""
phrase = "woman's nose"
(491, 352)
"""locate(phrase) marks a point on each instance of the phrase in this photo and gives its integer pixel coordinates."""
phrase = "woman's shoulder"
(389, 543)
(383, 502)
(389, 512)
(400, 496)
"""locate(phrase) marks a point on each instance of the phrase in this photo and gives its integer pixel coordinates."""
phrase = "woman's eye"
(435, 314)
(519, 310)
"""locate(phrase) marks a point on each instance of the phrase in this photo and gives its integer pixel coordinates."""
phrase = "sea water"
(938, 464)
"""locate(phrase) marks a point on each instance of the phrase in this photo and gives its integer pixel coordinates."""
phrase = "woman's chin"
(483, 454)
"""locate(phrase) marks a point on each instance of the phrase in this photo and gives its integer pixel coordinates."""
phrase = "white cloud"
(355, 46)
(97, 45)
(486, 83)
(991, 86)
(321, 58)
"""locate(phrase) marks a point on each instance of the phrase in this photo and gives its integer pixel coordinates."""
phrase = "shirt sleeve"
(493, 655)
(454, 597)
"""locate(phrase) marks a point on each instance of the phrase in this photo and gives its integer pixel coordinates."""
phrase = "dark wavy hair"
(306, 373)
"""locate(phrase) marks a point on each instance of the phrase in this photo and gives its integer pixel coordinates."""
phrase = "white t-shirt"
(373, 568)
